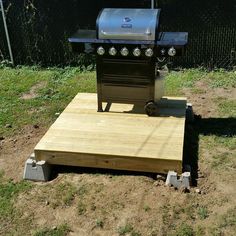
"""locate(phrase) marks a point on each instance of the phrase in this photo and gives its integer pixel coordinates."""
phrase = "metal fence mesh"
(39, 29)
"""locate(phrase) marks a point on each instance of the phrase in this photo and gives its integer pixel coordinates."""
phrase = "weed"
(135, 233)
(99, 223)
(93, 206)
(184, 230)
(1, 175)
(82, 190)
(62, 230)
(146, 208)
(200, 231)
(81, 208)
(122, 230)
(64, 194)
(203, 213)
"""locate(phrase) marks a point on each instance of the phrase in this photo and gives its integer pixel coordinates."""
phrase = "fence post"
(6, 32)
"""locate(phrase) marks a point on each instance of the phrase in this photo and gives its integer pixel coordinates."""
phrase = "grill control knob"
(172, 52)
(149, 52)
(124, 52)
(112, 51)
(137, 52)
(100, 51)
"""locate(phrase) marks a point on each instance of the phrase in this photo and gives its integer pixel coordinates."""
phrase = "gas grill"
(128, 45)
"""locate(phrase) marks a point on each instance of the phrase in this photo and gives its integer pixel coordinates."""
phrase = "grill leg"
(99, 104)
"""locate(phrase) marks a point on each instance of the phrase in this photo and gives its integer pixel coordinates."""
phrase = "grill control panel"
(135, 51)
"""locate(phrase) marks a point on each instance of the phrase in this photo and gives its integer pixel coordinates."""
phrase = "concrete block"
(182, 182)
(36, 171)
(189, 113)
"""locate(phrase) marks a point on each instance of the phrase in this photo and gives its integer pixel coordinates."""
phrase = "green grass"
(203, 213)
(99, 223)
(184, 230)
(61, 230)
(224, 161)
(63, 195)
(146, 208)
(10, 214)
(8, 193)
(175, 81)
(128, 230)
(225, 222)
(61, 85)
(222, 79)
(227, 108)
(81, 208)
(122, 230)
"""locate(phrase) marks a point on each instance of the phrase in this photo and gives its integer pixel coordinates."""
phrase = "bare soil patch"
(33, 93)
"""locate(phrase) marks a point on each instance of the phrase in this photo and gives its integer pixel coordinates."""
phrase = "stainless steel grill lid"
(128, 24)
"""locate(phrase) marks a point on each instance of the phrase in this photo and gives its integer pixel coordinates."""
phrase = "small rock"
(36, 126)
(1, 138)
(156, 183)
(57, 113)
(54, 227)
(198, 191)
(14, 140)
(47, 203)
(8, 126)
(160, 177)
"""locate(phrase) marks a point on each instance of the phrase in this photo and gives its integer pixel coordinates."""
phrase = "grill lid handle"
(147, 33)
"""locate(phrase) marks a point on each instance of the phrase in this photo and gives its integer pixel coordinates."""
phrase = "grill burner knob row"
(112, 51)
(136, 52)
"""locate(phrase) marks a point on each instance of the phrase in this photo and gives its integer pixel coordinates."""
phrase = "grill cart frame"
(126, 77)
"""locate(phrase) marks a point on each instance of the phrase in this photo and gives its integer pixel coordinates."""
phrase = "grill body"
(122, 75)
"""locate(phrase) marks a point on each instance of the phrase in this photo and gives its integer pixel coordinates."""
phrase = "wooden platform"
(122, 138)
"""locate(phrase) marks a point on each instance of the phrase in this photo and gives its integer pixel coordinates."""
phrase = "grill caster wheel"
(150, 108)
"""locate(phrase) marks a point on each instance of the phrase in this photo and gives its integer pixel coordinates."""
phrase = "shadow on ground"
(223, 127)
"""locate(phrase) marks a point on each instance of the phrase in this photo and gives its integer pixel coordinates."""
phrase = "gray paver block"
(182, 182)
(36, 171)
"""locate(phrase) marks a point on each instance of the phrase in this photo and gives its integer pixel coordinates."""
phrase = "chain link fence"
(39, 29)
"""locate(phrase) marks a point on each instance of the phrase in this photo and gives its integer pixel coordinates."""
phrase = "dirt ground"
(105, 202)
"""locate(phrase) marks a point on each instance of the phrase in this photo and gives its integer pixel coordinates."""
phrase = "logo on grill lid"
(127, 19)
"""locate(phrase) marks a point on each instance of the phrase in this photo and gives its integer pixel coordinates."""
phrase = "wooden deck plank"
(118, 139)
